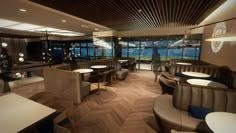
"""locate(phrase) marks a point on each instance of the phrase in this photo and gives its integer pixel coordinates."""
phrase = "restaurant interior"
(117, 66)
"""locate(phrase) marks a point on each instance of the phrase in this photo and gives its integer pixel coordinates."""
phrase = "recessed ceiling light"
(23, 10)
(96, 29)
(139, 10)
(63, 21)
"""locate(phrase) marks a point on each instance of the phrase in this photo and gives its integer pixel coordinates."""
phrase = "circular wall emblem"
(219, 29)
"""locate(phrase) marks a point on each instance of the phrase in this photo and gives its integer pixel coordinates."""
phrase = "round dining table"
(98, 67)
(83, 70)
(184, 63)
(196, 74)
(204, 82)
(121, 61)
(221, 122)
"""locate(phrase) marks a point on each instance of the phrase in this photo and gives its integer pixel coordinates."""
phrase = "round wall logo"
(219, 29)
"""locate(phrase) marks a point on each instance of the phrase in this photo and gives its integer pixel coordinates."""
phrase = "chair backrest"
(67, 118)
(167, 85)
(103, 76)
(217, 99)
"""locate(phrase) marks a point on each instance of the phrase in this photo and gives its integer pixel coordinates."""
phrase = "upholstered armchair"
(167, 85)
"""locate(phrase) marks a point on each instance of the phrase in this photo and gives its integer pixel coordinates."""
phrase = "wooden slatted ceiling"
(137, 14)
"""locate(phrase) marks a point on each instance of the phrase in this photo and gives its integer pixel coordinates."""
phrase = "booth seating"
(193, 62)
(174, 61)
(172, 112)
(208, 69)
(218, 74)
(65, 84)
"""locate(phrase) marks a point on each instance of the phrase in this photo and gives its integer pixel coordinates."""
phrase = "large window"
(171, 47)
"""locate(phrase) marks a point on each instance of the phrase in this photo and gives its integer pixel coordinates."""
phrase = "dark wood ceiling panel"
(136, 14)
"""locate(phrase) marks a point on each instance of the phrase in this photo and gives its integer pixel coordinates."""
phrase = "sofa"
(172, 111)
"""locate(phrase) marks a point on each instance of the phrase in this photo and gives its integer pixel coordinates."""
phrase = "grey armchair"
(167, 85)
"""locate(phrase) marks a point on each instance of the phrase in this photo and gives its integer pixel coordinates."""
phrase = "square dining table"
(17, 112)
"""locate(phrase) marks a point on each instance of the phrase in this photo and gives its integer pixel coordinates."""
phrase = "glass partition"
(169, 47)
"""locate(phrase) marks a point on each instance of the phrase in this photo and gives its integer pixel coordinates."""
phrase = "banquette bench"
(220, 74)
(175, 61)
(65, 84)
(172, 111)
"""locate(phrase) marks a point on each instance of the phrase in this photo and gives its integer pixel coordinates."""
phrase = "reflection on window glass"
(90, 52)
(75, 52)
(189, 53)
(162, 52)
(146, 53)
(161, 43)
(83, 44)
(146, 43)
(197, 53)
(90, 44)
(107, 52)
(175, 53)
(83, 52)
(124, 52)
(57, 53)
(168, 48)
(134, 52)
(98, 52)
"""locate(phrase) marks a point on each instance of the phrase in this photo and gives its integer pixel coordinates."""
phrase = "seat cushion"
(169, 117)
(199, 112)
(84, 89)
(122, 74)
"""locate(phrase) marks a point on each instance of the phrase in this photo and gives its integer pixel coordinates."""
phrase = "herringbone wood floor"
(125, 107)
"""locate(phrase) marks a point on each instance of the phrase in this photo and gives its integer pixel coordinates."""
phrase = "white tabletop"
(196, 74)
(183, 63)
(17, 113)
(98, 66)
(204, 82)
(83, 70)
(121, 61)
(221, 122)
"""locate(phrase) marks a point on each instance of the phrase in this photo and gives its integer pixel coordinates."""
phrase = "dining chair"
(103, 78)
(65, 122)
